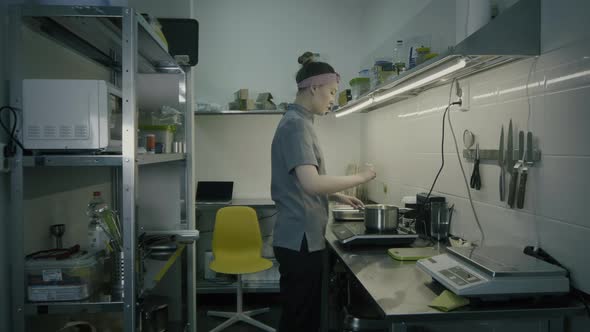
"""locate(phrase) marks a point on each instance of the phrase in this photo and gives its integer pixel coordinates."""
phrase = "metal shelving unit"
(98, 160)
(94, 32)
(72, 307)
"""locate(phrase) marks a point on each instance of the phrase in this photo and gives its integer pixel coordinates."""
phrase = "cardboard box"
(264, 102)
(241, 94)
(242, 105)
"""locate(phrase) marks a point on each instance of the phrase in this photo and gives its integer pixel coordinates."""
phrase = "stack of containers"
(382, 70)
(75, 278)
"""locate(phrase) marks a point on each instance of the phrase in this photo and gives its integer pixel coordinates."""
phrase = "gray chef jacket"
(299, 213)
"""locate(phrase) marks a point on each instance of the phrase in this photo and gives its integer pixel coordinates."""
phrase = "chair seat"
(240, 265)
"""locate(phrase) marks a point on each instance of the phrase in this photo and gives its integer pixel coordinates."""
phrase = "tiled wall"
(404, 144)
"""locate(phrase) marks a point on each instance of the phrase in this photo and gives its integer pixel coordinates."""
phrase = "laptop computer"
(214, 192)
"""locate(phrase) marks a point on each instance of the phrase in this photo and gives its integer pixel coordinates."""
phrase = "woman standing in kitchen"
(301, 189)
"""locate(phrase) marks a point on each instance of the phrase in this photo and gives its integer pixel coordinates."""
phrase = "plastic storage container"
(365, 73)
(359, 86)
(164, 136)
(72, 279)
(398, 56)
(382, 70)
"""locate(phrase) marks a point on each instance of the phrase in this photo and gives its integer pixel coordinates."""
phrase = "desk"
(252, 202)
(402, 293)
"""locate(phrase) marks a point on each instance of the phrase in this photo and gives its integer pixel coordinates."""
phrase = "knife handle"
(512, 188)
(521, 189)
(502, 185)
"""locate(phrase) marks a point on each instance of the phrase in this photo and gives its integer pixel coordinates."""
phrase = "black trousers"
(301, 282)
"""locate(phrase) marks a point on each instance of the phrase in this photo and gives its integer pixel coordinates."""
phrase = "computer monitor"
(210, 192)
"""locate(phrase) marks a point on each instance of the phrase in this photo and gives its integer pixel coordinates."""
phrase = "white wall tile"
(569, 245)
(564, 189)
(567, 116)
(572, 75)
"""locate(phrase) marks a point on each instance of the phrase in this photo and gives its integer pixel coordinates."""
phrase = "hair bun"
(306, 58)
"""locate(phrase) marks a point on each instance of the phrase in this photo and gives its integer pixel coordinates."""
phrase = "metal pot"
(381, 217)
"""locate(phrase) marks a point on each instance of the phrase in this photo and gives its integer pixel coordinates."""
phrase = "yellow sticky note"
(448, 301)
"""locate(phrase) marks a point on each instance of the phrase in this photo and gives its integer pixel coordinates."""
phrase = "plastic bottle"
(398, 58)
(96, 235)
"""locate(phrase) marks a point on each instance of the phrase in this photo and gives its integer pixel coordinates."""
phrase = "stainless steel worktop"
(402, 292)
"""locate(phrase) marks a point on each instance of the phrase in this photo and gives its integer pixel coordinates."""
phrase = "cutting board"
(412, 254)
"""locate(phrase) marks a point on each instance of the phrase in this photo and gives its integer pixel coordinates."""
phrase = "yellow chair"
(237, 246)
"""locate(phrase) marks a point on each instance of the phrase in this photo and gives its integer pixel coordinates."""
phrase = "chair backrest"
(236, 233)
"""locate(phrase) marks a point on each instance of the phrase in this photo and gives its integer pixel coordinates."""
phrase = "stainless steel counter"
(402, 292)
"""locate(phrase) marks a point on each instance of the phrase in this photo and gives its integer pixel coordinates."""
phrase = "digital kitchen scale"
(495, 272)
(354, 233)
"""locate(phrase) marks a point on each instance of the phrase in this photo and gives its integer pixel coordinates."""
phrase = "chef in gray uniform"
(301, 190)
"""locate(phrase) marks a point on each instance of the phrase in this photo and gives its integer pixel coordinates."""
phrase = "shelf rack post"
(16, 225)
(129, 69)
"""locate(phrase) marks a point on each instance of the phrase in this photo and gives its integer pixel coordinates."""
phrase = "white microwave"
(71, 115)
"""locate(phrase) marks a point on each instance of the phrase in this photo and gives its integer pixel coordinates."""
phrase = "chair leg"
(227, 323)
(240, 315)
(223, 314)
(256, 323)
(256, 312)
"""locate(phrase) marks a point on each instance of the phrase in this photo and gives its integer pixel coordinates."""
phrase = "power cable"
(10, 149)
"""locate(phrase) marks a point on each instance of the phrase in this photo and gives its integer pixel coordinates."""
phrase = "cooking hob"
(355, 233)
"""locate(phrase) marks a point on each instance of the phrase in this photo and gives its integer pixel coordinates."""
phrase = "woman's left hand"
(350, 200)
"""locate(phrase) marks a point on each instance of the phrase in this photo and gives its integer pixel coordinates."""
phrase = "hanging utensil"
(468, 139)
(475, 177)
(524, 174)
(516, 168)
(511, 167)
(501, 164)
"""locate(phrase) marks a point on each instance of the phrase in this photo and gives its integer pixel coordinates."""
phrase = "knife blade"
(524, 174)
(521, 153)
(511, 168)
(501, 164)
(509, 149)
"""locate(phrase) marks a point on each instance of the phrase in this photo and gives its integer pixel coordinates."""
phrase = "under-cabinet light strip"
(459, 65)
(389, 94)
(355, 108)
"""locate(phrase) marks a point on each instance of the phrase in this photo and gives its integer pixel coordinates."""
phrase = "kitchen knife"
(511, 166)
(501, 164)
(516, 169)
(523, 175)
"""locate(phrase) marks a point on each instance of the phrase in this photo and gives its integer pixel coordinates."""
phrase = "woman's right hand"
(368, 173)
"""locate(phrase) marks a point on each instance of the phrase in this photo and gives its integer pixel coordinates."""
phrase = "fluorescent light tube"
(355, 108)
(459, 65)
